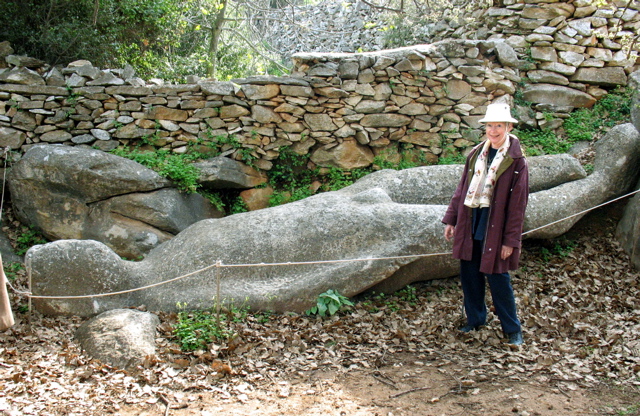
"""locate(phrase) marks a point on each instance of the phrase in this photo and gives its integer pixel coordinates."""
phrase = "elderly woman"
(485, 220)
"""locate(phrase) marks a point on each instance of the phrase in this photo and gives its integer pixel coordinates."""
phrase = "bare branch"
(375, 6)
(255, 49)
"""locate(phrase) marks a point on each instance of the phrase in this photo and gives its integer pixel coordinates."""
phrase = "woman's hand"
(506, 252)
(449, 232)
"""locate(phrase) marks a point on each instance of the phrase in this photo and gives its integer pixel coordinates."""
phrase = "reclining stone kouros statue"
(386, 214)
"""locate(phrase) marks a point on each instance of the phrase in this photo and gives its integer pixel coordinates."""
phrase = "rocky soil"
(389, 355)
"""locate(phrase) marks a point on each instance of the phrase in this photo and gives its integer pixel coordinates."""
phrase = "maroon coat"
(506, 212)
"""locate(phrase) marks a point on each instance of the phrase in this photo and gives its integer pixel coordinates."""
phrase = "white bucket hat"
(498, 112)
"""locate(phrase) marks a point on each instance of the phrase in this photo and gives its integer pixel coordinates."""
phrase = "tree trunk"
(216, 30)
(96, 9)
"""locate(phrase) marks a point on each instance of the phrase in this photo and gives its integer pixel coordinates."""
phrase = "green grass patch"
(195, 330)
(452, 159)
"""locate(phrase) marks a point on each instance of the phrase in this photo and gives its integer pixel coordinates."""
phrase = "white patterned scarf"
(483, 181)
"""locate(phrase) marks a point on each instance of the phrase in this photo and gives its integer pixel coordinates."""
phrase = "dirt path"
(406, 388)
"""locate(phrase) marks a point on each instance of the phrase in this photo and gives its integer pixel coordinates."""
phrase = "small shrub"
(176, 167)
(180, 171)
(197, 329)
(329, 302)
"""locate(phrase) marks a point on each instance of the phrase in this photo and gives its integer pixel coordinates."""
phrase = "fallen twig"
(402, 393)
(166, 402)
(383, 381)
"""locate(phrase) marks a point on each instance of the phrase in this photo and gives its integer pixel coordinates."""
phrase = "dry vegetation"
(394, 355)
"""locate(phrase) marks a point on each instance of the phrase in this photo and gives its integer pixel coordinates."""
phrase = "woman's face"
(496, 132)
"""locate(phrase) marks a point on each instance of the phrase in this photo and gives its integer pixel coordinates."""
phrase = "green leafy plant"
(562, 247)
(230, 140)
(263, 317)
(238, 206)
(12, 270)
(28, 237)
(181, 171)
(587, 124)
(215, 198)
(290, 178)
(289, 170)
(247, 156)
(337, 179)
(588, 168)
(518, 97)
(73, 97)
(329, 302)
(176, 167)
(408, 294)
(197, 329)
(540, 142)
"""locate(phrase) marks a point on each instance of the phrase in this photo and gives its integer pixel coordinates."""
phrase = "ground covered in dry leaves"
(579, 300)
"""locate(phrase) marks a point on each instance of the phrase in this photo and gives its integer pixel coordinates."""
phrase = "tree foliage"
(103, 31)
(159, 38)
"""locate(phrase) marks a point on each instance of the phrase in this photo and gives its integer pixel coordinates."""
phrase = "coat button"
(489, 249)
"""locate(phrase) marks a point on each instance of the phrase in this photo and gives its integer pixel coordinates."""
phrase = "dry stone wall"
(342, 109)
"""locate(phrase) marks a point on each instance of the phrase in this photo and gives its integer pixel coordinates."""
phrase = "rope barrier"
(582, 212)
(4, 181)
(218, 265)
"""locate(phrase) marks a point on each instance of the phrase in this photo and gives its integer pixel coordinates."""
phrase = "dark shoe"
(515, 339)
(468, 328)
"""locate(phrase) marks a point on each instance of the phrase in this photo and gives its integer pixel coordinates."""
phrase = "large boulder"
(616, 170)
(361, 237)
(79, 193)
(330, 226)
(557, 95)
(435, 184)
(222, 172)
(122, 338)
(628, 230)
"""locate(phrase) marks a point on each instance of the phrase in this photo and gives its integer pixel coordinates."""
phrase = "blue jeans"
(473, 288)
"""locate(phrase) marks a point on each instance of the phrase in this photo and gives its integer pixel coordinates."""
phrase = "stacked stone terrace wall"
(342, 109)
